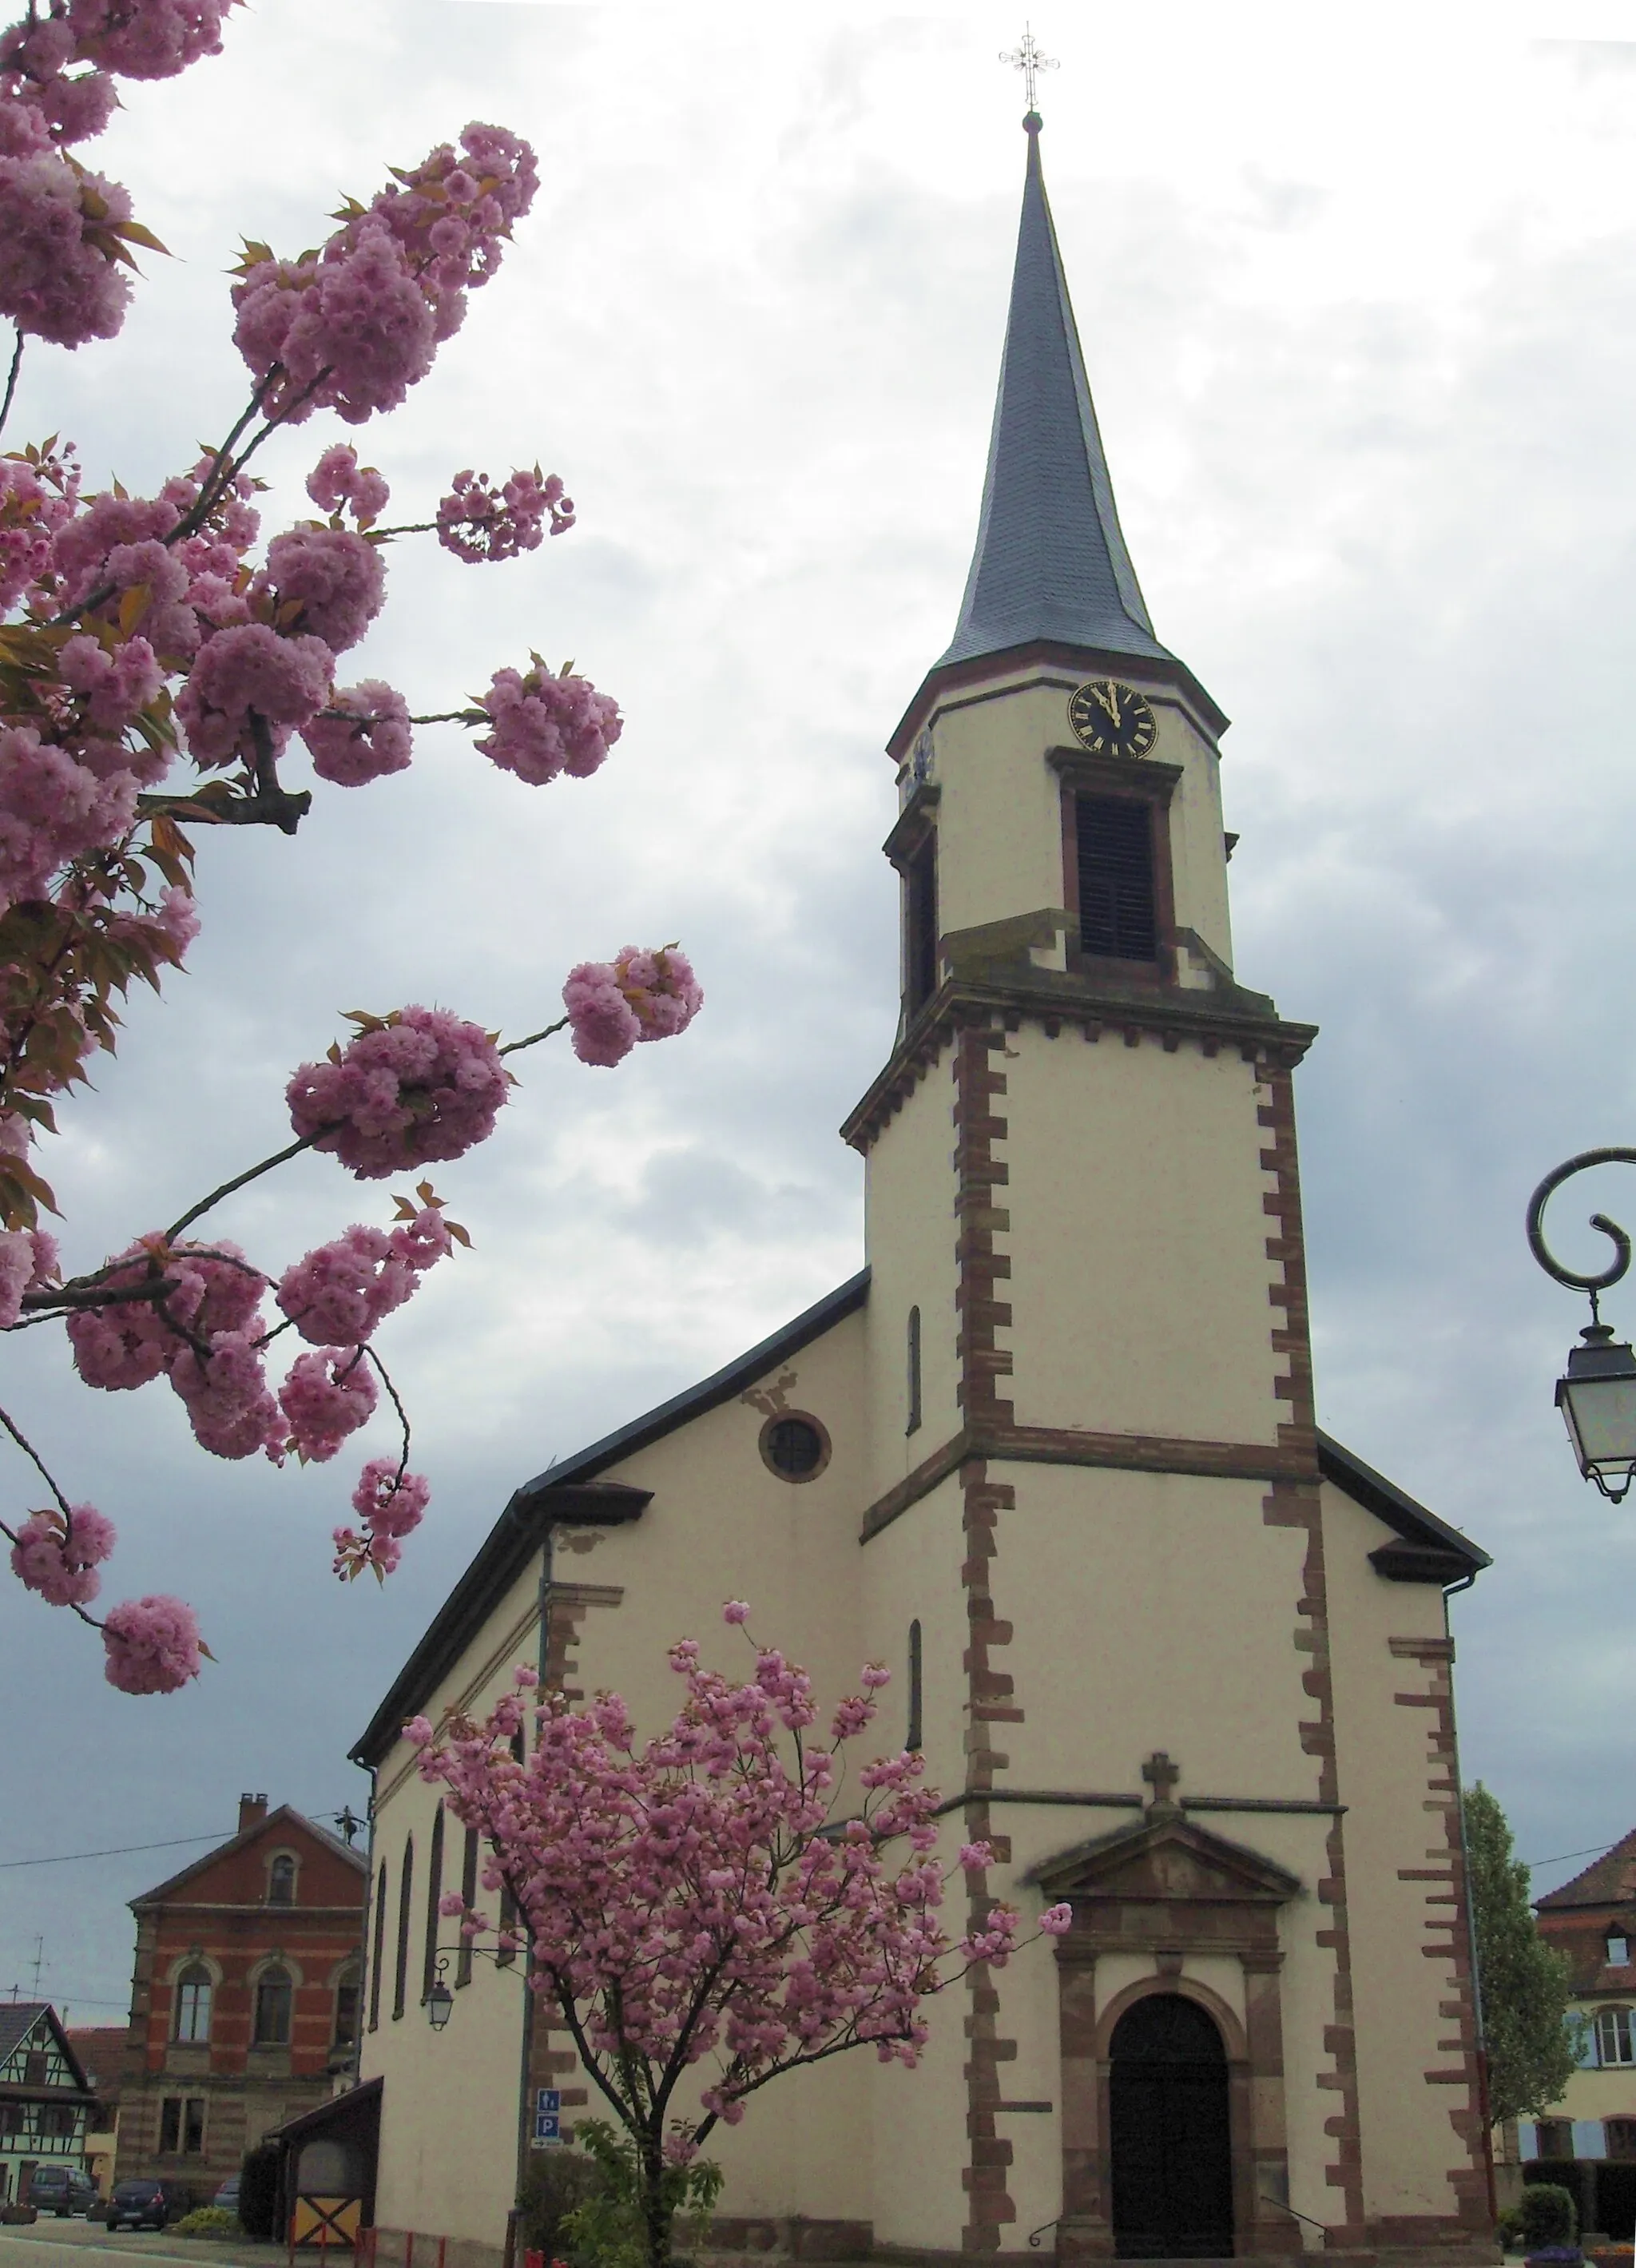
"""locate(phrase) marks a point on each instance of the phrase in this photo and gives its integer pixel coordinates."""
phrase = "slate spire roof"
(1051, 561)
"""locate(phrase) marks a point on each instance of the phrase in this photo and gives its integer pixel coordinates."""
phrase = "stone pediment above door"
(1166, 1862)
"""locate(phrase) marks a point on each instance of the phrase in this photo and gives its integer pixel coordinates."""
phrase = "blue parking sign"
(548, 2119)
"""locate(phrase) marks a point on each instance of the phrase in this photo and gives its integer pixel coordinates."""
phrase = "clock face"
(1111, 719)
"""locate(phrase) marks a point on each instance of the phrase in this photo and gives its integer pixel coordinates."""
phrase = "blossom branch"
(11, 376)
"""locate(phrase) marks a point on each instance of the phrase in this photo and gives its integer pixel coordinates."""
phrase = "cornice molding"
(1132, 1453)
(1060, 1001)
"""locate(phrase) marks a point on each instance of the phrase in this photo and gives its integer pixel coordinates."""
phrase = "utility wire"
(1597, 1851)
(173, 1843)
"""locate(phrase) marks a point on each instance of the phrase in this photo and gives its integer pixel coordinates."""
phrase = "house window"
(1613, 2035)
(13, 2118)
(349, 1993)
(281, 1881)
(796, 1447)
(913, 1425)
(399, 1974)
(273, 1994)
(58, 2120)
(34, 2067)
(181, 2126)
(1619, 1949)
(920, 937)
(434, 1893)
(1621, 2137)
(1556, 2139)
(1118, 911)
(379, 1950)
(912, 1741)
(194, 1993)
(468, 1894)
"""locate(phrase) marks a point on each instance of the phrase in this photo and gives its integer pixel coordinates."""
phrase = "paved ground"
(50, 2243)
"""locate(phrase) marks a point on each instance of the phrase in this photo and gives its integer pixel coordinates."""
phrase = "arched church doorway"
(1169, 2134)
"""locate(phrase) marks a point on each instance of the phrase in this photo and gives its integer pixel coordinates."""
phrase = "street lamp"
(439, 2000)
(1597, 1393)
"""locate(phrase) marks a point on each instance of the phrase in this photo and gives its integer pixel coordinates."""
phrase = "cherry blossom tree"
(712, 1897)
(142, 633)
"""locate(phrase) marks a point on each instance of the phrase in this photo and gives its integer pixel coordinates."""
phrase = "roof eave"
(570, 1494)
(1085, 659)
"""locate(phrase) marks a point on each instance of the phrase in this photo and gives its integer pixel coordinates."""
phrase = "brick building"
(1587, 2141)
(244, 1996)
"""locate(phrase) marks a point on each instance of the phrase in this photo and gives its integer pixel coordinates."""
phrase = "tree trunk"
(656, 2214)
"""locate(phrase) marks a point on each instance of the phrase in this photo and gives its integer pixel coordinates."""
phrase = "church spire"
(1051, 561)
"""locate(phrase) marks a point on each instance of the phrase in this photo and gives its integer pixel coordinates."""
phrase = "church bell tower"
(1097, 1490)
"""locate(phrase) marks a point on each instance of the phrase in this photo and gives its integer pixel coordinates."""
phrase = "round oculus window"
(795, 1446)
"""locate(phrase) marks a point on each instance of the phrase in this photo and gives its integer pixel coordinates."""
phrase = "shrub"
(1508, 2226)
(207, 2220)
(556, 2184)
(1546, 2216)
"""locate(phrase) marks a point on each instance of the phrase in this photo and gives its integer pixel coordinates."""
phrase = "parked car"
(61, 2190)
(227, 2196)
(150, 2202)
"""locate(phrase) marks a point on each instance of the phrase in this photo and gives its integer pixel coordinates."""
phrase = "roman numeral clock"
(1112, 719)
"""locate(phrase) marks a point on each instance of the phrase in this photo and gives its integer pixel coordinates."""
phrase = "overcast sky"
(1359, 302)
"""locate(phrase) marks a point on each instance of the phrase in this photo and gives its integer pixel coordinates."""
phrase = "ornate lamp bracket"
(1594, 1284)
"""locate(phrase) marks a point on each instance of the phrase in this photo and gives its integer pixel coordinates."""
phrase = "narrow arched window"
(349, 1993)
(194, 1991)
(914, 1739)
(913, 1425)
(281, 1881)
(434, 1892)
(400, 1975)
(468, 1894)
(378, 1950)
(275, 1995)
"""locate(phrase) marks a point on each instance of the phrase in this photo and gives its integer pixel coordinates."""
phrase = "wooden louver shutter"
(1117, 915)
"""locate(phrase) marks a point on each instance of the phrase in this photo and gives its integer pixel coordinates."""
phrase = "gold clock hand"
(1109, 700)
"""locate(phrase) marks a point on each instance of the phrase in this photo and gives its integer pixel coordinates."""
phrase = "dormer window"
(1619, 1949)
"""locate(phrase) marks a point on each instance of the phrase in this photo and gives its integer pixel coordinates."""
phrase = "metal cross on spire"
(1028, 60)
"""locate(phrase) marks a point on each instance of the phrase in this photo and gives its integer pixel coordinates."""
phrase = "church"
(1052, 1455)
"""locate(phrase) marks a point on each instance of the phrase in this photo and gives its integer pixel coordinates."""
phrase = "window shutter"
(1589, 2141)
(1118, 915)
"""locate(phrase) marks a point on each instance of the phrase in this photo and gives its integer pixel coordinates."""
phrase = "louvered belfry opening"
(1118, 916)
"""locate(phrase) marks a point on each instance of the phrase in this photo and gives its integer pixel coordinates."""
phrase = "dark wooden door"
(1169, 2133)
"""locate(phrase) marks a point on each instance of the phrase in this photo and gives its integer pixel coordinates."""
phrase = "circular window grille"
(796, 1447)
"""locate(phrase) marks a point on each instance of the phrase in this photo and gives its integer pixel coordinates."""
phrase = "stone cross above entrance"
(1161, 1776)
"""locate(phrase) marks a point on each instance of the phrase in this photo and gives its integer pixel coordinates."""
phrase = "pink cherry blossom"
(113, 684)
(334, 576)
(148, 39)
(391, 1503)
(352, 328)
(476, 522)
(229, 1406)
(251, 670)
(337, 481)
(29, 515)
(342, 1290)
(326, 1397)
(214, 1290)
(541, 724)
(1056, 1921)
(60, 1565)
(639, 996)
(370, 738)
(416, 1086)
(721, 1894)
(153, 1645)
(53, 283)
(736, 1610)
(52, 809)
